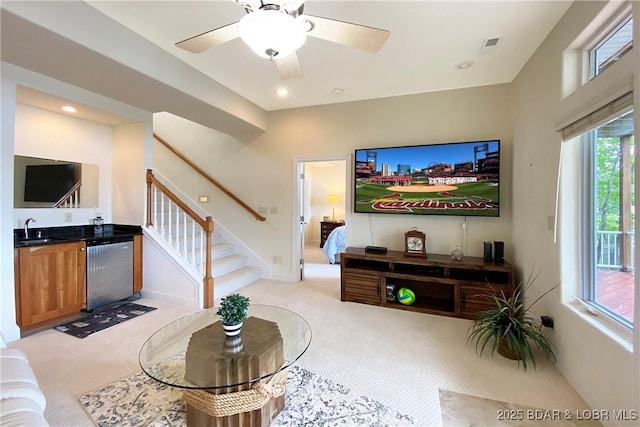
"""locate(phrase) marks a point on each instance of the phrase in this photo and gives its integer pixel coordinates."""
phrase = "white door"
(303, 209)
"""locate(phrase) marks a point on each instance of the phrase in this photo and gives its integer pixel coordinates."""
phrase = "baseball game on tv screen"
(461, 178)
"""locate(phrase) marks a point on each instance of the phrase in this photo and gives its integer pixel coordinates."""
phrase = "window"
(611, 46)
(608, 218)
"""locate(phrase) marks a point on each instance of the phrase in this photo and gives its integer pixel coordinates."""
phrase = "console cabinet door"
(362, 287)
(474, 299)
(51, 282)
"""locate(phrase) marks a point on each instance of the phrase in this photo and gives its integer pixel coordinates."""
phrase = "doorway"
(321, 198)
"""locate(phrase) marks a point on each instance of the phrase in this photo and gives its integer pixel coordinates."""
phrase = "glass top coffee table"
(246, 372)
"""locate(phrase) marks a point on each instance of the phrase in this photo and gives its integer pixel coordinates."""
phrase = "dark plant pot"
(233, 345)
(505, 351)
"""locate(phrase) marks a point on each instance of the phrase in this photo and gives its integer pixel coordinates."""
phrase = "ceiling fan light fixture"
(272, 33)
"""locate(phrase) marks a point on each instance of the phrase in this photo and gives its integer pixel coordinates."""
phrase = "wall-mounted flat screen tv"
(461, 178)
(48, 183)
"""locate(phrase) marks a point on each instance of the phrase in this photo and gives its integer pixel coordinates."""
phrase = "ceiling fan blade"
(204, 41)
(289, 67)
(354, 35)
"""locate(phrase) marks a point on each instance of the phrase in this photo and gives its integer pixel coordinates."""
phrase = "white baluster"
(176, 234)
(184, 235)
(154, 206)
(163, 234)
(202, 252)
(172, 228)
(193, 242)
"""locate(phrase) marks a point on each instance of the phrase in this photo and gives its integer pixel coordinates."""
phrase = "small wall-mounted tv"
(460, 178)
(48, 183)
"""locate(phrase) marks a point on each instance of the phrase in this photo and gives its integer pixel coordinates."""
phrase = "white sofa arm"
(21, 413)
(22, 403)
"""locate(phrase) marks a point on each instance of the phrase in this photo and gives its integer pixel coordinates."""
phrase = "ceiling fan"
(275, 29)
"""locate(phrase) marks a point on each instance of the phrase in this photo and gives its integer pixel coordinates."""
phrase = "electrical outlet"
(263, 209)
(274, 210)
(550, 223)
(277, 259)
(68, 217)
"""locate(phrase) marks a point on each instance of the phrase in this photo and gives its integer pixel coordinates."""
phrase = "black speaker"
(488, 249)
(498, 255)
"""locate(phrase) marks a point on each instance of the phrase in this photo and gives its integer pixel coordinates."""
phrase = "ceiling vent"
(490, 44)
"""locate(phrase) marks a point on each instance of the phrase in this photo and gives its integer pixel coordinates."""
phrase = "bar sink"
(31, 242)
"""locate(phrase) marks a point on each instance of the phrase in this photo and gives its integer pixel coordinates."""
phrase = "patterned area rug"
(101, 320)
(310, 400)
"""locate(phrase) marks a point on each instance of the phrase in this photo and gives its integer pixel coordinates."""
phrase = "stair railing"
(208, 177)
(71, 198)
(166, 213)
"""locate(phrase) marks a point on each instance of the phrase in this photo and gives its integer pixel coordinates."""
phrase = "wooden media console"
(441, 285)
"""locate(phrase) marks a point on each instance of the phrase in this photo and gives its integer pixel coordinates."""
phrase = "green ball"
(406, 296)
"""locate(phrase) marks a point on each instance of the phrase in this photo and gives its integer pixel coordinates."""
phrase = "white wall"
(7, 302)
(261, 173)
(602, 366)
(41, 133)
(128, 168)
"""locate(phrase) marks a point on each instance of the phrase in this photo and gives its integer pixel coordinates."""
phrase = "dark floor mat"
(100, 320)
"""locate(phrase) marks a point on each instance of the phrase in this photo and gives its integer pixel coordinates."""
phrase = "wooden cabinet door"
(52, 282)
(137, 263)
(474, 299)
(362, 287)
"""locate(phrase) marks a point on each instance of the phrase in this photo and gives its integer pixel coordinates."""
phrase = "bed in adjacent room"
(334, 244)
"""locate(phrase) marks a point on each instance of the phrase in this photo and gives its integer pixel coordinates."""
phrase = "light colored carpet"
(310, 400)
(463, 410)
(396, 357)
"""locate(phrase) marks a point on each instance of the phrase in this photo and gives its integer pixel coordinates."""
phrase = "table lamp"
(333, 200)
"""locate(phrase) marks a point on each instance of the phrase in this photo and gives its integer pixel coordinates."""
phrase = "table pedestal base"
(214, 360)
(260, 417)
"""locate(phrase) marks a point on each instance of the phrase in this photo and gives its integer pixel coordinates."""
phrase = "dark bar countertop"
(51, 235)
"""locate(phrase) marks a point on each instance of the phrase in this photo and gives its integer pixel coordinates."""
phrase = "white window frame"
(607, 31)
(587, 229)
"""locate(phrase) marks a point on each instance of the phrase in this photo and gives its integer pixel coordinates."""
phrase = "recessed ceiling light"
(464, 65)
(337, 91)
(69, 109)
(282, 92)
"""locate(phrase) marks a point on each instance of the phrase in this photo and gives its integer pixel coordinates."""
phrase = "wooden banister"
(206, 224)
(209, 178)
(152, 180)
(68, 195)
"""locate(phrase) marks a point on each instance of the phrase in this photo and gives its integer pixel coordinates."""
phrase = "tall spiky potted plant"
(509, 327)
(232, 312)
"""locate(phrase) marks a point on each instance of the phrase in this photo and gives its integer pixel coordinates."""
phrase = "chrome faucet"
(26, 227)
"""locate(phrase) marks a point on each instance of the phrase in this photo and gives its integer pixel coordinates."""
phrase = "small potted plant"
(232, 312)
(510, 329)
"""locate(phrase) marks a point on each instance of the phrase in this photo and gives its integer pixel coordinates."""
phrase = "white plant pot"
(232, 330)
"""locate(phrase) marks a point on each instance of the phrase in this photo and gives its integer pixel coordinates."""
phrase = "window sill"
(617, 332)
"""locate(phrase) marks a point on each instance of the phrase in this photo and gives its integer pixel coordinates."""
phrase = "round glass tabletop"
(193, 351)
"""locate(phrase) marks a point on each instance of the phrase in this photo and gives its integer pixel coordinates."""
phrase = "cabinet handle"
(81, 249)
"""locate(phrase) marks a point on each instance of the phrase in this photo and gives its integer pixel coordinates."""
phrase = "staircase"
(176, 226)
(230, 269)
